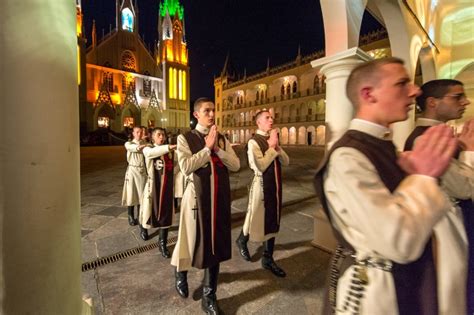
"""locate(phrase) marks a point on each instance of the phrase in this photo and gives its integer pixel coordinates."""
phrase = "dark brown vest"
(162, 205)
(272, 189)
(415, 283)
(205, 253)
(418, 131)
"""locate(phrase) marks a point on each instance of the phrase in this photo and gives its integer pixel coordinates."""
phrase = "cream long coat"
(451, 239)
(188, 163)
(393, 226)
(254, 224)
(147, 203)
(135, 176)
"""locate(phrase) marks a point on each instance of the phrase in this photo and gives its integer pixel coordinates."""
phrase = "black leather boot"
(162, 240)
(241, 242)
(267, 259)
(143, 233)
(181, 283)
(131, 220)
(209, 288)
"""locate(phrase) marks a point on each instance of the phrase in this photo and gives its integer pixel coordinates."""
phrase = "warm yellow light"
(180, 84)
(169, 50)
(170, 82)
(78, 22)
(184, 55)
(184, 85)
(78, 65)
(115, 97)
(175, 85)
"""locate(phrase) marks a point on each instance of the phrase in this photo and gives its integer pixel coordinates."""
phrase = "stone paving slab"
(144, 283)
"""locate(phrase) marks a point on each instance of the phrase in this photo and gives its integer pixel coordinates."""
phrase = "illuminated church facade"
(123, 84)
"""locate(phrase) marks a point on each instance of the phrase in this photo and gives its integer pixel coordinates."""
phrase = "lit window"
(127, 20)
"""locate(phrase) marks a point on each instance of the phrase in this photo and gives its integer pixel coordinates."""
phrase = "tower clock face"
(127, 20)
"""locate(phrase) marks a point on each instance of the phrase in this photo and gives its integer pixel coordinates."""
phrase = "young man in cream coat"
(135, 177)
(383, 207)
(262, 221)
(204, 238)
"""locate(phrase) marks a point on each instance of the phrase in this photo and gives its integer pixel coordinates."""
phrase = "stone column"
(339, 112)
(39, 148)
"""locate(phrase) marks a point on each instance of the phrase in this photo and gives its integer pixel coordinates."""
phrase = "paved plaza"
(144, 283)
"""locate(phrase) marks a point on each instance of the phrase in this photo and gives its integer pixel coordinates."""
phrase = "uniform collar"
(371, 128)
(202, 129)
(427, 122)
(262, 133)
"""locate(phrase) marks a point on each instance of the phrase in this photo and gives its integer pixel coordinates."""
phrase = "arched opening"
(284, 136)
(292, 135)
(292, 113)
(321, 135)
(247, 135)
(302, 135)
(311, 136)
(104, 116)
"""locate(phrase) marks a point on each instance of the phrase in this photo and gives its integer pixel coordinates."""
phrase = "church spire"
(94, 34)
(172, 7)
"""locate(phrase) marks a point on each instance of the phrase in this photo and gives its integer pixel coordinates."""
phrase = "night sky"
(251, 31)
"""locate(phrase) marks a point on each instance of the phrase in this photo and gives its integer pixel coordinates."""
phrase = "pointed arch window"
(323, 84)
(147, 85)
(316, 84)
(108, 81)
(288, 88)
(257, 95)
(295, 87)
(127, 20)
(282, 90)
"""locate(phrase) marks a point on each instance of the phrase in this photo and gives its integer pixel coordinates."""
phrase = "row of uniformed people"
(152, 181)
(205, 158)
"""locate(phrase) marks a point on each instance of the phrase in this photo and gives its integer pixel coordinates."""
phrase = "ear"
(431, 102)
(366, 94)
(196, 115)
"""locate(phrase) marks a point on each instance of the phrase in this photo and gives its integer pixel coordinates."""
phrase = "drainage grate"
(102, 261)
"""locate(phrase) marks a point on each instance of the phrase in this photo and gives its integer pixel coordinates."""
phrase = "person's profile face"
(453, 104)
(205, 114)
(394, 94)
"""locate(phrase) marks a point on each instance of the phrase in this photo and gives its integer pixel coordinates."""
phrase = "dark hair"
(434, 88)
(199, 101)
(366, 72)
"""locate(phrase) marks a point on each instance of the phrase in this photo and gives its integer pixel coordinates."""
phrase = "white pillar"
(339, 110)
(39, 152)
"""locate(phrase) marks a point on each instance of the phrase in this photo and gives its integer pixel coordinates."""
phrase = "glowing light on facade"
(127, 20)
(180, 84)
(170, 84)
(184, 86)
(78, 21)
(175, 81)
